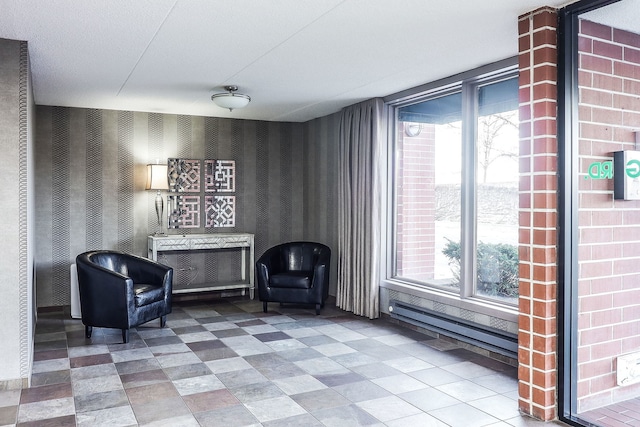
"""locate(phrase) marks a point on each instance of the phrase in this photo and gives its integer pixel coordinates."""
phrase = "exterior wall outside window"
(609, 230)
(537, 334)
(416, 203)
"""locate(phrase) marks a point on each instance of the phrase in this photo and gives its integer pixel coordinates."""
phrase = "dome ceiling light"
(230, 99)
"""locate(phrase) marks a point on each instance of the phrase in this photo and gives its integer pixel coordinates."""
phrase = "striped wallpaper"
(90, 177)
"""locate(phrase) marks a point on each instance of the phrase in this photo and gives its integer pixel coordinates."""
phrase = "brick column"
(537, 359)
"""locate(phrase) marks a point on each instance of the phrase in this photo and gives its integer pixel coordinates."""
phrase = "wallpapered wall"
(17, 111)
(91, 171)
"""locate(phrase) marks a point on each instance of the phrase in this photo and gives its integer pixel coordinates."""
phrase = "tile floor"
(226, 363)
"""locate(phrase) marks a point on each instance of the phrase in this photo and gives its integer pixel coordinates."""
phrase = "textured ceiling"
(297, 59)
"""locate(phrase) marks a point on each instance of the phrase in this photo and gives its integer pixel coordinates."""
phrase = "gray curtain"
(362, 131)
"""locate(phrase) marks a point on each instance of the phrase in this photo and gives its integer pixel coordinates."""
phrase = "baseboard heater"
(491, 339)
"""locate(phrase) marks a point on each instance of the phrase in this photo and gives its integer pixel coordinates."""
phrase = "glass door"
(600, 239)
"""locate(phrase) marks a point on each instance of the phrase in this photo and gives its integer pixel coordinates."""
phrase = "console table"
(199, 242)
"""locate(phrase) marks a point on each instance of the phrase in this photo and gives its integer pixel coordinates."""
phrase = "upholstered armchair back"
(119, 290)
(294, 272)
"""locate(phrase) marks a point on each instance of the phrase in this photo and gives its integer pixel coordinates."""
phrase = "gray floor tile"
(437, 376)
(355, 359)
(178, 359)
(375, 370)
(361, 391)
(401, 383)
(139, 365)
(8, 415)
(96, 371)
(299, 384)
(230, 364)
(93, 385)
(275, 408)
(160, 409)
(498, 406)
(408, 364)
(284, 370)
(97, 401)
(187, 371)
(138, 379)
(46, 409)
(422, 420)
(236, 416)
(257, 391)
(466, 390)
(346, 416)
(242, 377)
(468, 370)
(47, 378)
(133, 354)
(9, 398)
(461, 415)
(199, 384)
(320, 399)
(498, 382)
(321, 366)
(109, 417)
(389, 408)
(210, 400)
(183, 421)
(429, 399)
(304, 420)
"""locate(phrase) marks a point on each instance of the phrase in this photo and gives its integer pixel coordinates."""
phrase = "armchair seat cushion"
(292, 280)
(147, 294)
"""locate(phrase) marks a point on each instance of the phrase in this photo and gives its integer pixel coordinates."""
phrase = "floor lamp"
(157, 179)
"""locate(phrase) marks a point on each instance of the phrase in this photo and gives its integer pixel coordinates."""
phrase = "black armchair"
(295, 272)
(122, 291)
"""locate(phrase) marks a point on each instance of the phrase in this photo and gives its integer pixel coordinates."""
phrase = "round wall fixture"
(412, 129)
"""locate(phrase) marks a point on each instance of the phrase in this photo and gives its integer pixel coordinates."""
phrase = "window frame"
(467, 83)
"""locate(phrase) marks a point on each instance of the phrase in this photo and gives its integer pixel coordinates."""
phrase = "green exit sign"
(604, 170)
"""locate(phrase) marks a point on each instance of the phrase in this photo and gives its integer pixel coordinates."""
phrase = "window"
(456, 189)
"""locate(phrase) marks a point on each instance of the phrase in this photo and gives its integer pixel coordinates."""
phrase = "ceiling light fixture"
(230, 99)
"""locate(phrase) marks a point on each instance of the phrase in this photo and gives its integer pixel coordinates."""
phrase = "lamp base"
(159, 211)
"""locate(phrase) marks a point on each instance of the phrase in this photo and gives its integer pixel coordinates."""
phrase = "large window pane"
(497, 191)
(428, 200)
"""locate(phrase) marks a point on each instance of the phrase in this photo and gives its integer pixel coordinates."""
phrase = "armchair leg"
(264, 306)
(125, 336)
(87, 331)
(317, 309)
(163, 321)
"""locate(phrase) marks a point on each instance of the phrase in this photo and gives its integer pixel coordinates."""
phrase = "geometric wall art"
(184, 175)
(220, 211)
(184, 211)
(194, 176)
(220, 176)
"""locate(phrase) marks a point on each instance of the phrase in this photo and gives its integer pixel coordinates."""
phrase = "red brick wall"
(537, 361)
(609, 245)
(416, 204)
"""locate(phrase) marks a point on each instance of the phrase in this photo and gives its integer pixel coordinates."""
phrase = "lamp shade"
(157, 177)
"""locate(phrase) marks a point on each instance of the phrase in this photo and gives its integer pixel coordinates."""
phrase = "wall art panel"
(184, 211)
(220, 176)
(220, 211)
(184, 175)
